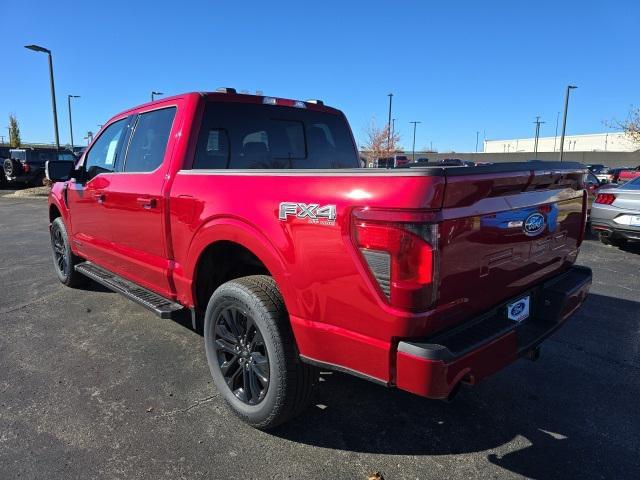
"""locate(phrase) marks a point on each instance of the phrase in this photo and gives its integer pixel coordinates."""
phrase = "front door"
(86, 197)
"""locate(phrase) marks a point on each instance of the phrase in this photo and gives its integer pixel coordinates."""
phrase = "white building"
(596, 142)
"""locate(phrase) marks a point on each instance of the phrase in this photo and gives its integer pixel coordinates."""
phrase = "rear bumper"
(613, 229)
(435, 366)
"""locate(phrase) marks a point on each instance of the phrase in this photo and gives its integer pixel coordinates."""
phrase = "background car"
(25, 166)
(612, 174)
(592, 185)
(4, 154)
(454, 162)
(615, 213)
(597, 168)
(392, 162)
(628, 174)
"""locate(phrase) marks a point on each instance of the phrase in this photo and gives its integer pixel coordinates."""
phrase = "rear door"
(135, 205)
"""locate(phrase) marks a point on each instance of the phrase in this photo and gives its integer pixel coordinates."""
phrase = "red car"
(630, 174)
(253, 214)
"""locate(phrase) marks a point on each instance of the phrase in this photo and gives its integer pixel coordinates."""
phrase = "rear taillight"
(25, 167)
(401, 255)
(605, 198)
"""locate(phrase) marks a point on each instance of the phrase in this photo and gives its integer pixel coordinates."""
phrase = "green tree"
(14, 132)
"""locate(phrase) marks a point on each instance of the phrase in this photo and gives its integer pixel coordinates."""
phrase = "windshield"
(249, 136)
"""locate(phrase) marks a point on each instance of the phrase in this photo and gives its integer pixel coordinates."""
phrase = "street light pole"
(535, 143)
(37, 48)
(389, 124)
(69, 97)
(393, 127)
(555, 139)
(153, 95)
(415, 124)
(477, 136)
(564, 117)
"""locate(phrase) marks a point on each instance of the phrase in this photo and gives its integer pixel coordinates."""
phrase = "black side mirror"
(59, 170)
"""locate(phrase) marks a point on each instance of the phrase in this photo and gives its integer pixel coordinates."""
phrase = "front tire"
(252, 355)
(64, 261)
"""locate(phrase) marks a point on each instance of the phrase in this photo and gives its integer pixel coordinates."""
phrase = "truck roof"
(230, 95)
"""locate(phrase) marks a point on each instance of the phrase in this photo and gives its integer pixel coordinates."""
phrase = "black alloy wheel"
(64, 261)
(242, 355)
(60, 255)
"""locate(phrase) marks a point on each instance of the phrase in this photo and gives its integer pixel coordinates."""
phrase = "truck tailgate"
(503, 232)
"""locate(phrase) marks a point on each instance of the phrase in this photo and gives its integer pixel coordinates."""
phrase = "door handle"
(99, 197)
(147, 203)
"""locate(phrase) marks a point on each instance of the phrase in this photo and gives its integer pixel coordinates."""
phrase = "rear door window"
(258, 136)
(149, 140)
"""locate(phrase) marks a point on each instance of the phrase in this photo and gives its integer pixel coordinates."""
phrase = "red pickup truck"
(252, 215)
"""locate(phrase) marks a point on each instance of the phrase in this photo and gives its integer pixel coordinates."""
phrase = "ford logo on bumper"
(534, 224)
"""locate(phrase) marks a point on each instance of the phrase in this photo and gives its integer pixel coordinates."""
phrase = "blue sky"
(458, 67)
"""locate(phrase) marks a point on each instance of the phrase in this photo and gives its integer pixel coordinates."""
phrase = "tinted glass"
(245, 136)
(103, 154)
(213, 148)
(19, 155)
(149, 141)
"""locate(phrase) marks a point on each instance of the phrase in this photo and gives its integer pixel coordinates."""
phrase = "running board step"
(159, 305)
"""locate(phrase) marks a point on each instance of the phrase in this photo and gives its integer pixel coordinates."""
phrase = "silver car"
(615, 213)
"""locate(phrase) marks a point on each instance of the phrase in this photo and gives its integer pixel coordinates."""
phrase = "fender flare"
(56, 200)
(234, 230)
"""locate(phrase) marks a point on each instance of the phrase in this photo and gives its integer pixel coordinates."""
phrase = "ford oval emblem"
(534, 224)
(517, 309)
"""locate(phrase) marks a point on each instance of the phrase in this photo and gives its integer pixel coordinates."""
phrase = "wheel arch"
(245, 251)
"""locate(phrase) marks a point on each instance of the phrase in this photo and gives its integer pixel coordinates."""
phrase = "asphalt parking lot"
(94, 386)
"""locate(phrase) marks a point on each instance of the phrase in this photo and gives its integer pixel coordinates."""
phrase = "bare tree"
(630, 126)
(378, 143)
(14, 132)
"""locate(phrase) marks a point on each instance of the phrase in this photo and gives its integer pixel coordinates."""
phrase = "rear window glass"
(19, 155)
(247, 136)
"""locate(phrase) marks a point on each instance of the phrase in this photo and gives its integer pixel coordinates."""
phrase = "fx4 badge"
(324, 215)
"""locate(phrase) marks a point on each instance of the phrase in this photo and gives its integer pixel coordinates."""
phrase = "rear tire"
(252, 354)
(64, 261)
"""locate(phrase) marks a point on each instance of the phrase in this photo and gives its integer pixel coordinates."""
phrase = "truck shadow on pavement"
(556, 418)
